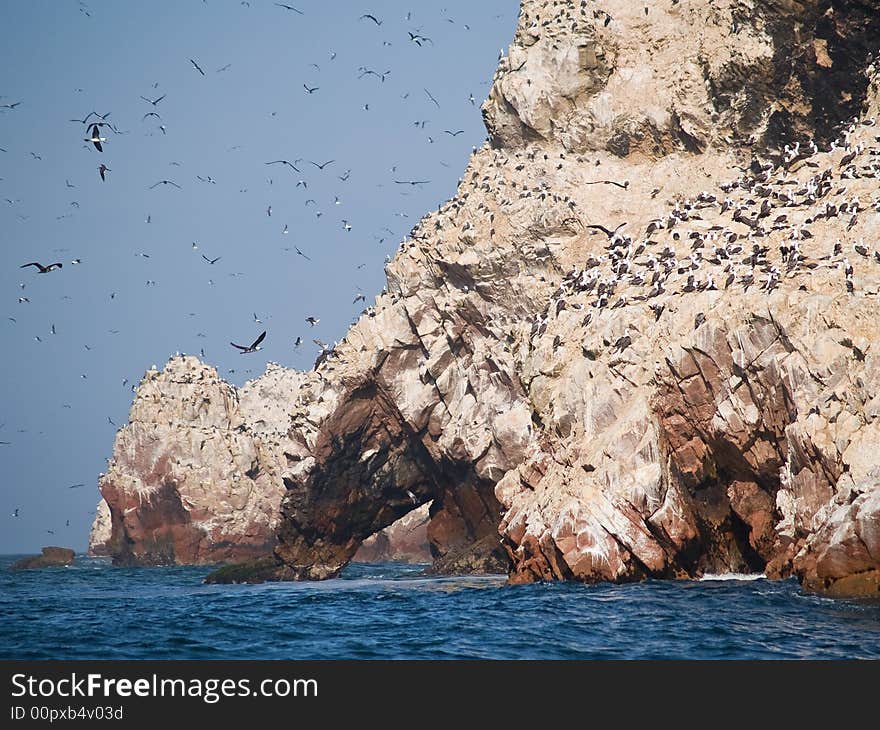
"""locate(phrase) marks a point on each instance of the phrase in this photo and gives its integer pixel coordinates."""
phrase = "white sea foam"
(733, 576)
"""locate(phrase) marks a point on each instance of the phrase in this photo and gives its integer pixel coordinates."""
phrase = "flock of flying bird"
(101, 130)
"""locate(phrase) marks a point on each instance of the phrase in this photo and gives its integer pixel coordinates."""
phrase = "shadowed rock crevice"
(376, 470)
(819, 61)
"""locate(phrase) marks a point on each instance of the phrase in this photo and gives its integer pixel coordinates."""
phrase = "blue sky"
(64, 59)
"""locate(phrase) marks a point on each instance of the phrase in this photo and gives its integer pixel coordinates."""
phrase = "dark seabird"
(622, 343)
(165, 182)
(419, 39)
(604, 230)
(371, 17)
(253, 347)
(43, 269)
(154, 101)
(102, 168)
(95, 138)
(197, 67)
(290, 7)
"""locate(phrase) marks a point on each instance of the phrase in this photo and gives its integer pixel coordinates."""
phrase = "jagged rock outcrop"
(193, 476)
(639, 341)
(101, 532)
(404, 541)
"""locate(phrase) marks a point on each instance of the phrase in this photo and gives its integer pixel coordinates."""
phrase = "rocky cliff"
(639, 341)
(404, 541)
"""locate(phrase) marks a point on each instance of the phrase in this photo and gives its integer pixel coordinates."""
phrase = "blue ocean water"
(390, 611)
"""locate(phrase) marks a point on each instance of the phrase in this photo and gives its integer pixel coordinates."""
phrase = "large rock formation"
(639, 341)
(194, 476)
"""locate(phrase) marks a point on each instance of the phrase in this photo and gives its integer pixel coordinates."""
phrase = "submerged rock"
(51, 557)
(638, 342)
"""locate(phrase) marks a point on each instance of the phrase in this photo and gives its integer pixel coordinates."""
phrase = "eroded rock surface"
(639, 341)
(404, 541)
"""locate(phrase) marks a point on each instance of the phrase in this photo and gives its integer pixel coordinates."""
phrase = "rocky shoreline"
(640, 341)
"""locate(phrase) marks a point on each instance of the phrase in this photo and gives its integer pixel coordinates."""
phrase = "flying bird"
(371, 17)
(197, 67)
(165, 182)
(431, 97)
(412, 182)
(253, 347)
(312, 321)
(283, 162)
(10, 106)
(300, 253)
(43, 269)
(290, 7)
(155, 101)
(312, 89)
(454, 134)
(102, 168)
(419, 39)
(95, 138)
(151, 114)
(211, 261)
(85, 119)
(321, 167)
